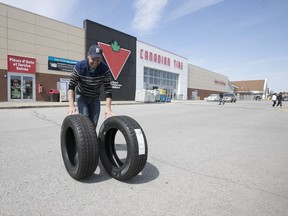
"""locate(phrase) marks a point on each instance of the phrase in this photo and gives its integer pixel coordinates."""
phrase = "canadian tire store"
(157, 68)
(37, 55)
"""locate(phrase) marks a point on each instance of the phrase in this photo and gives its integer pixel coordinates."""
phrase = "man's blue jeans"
(90, 107)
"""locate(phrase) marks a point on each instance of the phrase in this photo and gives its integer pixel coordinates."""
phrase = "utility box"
(54, 95)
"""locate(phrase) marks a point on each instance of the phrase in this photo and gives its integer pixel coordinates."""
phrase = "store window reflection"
(159, 79)
(15, 87)
(27, 87)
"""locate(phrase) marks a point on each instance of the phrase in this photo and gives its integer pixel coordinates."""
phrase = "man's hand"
(108, 110)
(72, 110)
(108, 113)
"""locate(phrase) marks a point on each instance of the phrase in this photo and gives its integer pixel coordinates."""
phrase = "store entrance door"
(21, 87)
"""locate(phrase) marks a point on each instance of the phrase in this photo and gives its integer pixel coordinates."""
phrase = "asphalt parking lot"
(203, 159)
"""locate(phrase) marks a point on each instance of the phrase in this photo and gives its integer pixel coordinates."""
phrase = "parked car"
(229, 97)
(212, 97)
(285, 98)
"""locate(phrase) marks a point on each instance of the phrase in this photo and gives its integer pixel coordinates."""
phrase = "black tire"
(79, 147)
(137, 150)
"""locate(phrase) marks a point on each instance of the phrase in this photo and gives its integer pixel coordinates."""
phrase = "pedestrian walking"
(274, 99)
(279, 100)
(221, 101)
(86, 80)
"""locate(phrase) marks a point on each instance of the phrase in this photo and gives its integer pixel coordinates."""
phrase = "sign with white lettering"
(60, 64)
(21, 64)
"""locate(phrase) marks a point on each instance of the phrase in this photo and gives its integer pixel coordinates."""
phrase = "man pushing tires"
(80, 146)
(88, 77)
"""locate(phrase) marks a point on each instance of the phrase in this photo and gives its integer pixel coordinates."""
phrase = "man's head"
(94, 56)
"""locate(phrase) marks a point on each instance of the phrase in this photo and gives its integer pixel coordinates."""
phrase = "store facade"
(21, 78)
(202, 83)
(35, 54)
(251, 89)
(160, 69)
(45, 51)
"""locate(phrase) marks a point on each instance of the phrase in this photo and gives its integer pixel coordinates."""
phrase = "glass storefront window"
(155, 73)
(21, 87)
(15, 82)
(27, 87)
(161, 79)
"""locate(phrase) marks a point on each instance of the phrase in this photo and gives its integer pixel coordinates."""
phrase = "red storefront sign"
(21, 64)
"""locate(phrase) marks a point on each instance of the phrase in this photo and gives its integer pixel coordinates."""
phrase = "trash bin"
(54, 95)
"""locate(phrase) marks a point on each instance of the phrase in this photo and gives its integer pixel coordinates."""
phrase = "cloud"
(147, 14)
(190, 7)
(54, 9)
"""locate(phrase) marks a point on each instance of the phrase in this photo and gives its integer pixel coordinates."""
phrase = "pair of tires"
(81, 148)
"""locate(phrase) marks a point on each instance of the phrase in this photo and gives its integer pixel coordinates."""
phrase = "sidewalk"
(20, 105)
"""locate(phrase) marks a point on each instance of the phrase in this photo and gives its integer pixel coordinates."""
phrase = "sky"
(241, 39)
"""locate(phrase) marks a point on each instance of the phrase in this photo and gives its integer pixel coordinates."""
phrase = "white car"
(229, 97)
(212, 97)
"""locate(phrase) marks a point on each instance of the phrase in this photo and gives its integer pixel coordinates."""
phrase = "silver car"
(229, 97)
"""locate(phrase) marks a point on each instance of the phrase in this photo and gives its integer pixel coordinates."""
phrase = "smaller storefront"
(202, 83)
(21, 78)
(21, 87)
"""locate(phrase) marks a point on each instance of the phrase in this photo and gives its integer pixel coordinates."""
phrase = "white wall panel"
(76, 40)
(21, 36)
(3, 32)
(21, 47)
(21, 26)
(3, 21)
(50, 42)
(49, 51)
(3, 58)
(76, 48)
(78, 32)
(51, 24)
(21, 15)
(3, 10)
(50, 33)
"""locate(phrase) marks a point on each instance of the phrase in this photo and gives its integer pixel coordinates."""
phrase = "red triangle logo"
(115, 58)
